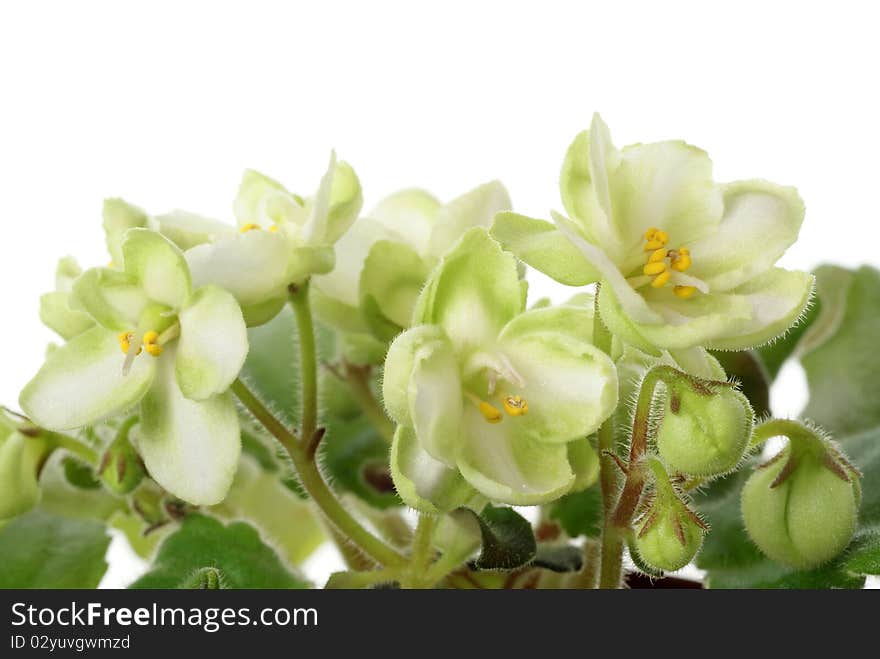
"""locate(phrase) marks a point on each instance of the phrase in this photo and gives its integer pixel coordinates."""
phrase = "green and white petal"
(761, 220)
(310, 260)
(264, 201)
(392, 278)
(475, 208)
(186, 230)
(158, 266)
(82, 382)
(251, 265)
(20, 461)
(667, 185)
(409, 214)
(630, 300)
(56, 314)
(584, 184)
(119, 216)
(191, 448)
(777, 299)
(399, 366)
(66, 273)
(336, 314)
(505, 464)
(473, 292)
(434, 394)
(685, 323)
(213, 343)
(421, 481)
(570, 385)
(113, 298)
(351, 252)
(542, 246)
(346, 201)
(696, 361)
(315, 228)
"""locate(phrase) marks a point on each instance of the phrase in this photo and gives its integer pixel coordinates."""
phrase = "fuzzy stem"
(311, 479)
(299, 301)
(421, 549)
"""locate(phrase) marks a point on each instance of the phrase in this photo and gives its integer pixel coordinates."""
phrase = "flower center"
(251, 226)
(491, 370)
(151, 341)
(662, 261)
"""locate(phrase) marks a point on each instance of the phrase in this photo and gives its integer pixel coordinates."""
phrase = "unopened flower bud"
(121, 468)
(669, 534)
(704, 433)
(801, 507)
(21, 457)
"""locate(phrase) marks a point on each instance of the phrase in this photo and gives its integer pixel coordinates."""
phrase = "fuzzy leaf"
(508, 541)
(559, 558)
(579, 513)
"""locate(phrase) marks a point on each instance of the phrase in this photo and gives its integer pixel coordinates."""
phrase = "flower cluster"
(488, 400)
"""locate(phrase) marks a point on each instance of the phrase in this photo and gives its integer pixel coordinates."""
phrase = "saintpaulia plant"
(190, 410)
(487, 396)
(683, 261)
(157, 343)
(281, 239)
(386, 256)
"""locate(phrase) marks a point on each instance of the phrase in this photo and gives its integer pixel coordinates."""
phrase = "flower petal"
(251, 265)
(473, 292)
(346, 200)
(264, 201)
(435, 399)
(158, 265)
(475, 208)
(213, 343)
(82, 382)
(56, 314)
(392, 278)
(409, 214)
(542, 246)
(570, 385)
(113, 298)
(761, 220)
(505, 464)
(119, 216)
(399, 366)
(186, 230)
(777, 298)
(315, 229)
(421, 481)
(191, 448)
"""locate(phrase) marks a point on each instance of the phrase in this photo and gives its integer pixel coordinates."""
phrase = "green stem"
(422, 549)
(72, 445)
(611, 552)
(311, 479)
(299, 301)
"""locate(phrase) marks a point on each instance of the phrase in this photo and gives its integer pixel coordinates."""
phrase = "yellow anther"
(658, 255)
(151, 336)
(655, 239)
(124, 339)
(515, 405)
(651, 269)
(661, 280)
(153, 348)
(250, 226)
(273, 228)
(491, 413)
(680, 258)
(684, 292)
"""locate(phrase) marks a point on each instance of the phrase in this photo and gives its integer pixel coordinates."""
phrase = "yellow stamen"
(662, 279)
(149, 343)
(651, 269)
(657, 256)
(273, 228)
(491, 413)
(684, 292)
(515, 405)
(655, 239)
(153, 348)
(250, 226)
(124, 339)
(681, 259)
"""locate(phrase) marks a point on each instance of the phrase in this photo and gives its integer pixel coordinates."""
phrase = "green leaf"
(79, 474)
(842, 369)
(508, 541)
(746, 366)
(559, 558)
(236, 550)
(355, 456)
(579, 513)
(41, 550)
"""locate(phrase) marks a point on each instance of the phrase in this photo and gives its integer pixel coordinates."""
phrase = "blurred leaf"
(508, 541)
(79, 474)
(752, 375)
(842, 360)
(579, 513)
(774, 354)
(355, 456)
(559, 558)
(42, 550)
(237, 550)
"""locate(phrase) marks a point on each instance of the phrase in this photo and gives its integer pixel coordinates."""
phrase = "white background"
(164, 103)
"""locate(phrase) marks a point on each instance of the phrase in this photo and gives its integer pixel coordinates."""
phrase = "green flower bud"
(206, 578)
(669, 534)
(801, 507)
(704, 432)
(121, 468)
(21, 458)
